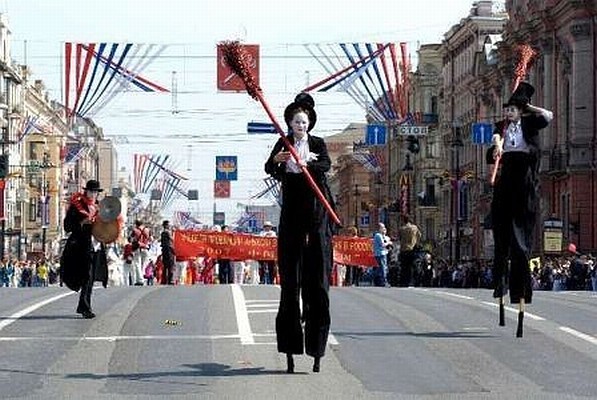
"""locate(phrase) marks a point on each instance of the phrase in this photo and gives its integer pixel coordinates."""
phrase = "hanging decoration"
(95, 73)
(375, 76)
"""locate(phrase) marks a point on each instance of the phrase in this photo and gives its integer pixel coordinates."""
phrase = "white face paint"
(513, 113)
(299, 124)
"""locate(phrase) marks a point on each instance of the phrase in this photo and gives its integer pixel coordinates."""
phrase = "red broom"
(237, 60)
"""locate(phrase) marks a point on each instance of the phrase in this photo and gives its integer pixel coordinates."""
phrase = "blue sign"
(364, 220)
(260, 127)
(226, 168)
(376, 135)
(482, 133)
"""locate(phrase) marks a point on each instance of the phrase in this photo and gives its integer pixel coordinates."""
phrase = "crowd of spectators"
(28, 273)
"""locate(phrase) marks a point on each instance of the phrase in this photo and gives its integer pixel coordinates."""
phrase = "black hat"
(165, 223)
(93, 186)
(304, 97)
(305, 102)
(521, 96)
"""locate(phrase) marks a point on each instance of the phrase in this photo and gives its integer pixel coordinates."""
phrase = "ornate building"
(565, 77)
(462, 105)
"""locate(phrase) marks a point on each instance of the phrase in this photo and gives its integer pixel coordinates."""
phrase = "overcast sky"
(211, 123)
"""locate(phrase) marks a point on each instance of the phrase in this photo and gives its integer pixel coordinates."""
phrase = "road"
(218, 342)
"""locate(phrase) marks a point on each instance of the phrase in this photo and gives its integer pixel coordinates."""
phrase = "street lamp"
(378, 184)
(356, 205)
(456, 144)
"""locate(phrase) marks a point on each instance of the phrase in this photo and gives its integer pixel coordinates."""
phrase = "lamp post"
(45, 216)
(378, 186)
(356, 206)
(455, 237)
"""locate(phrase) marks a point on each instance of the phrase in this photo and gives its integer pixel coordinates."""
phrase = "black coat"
(77, 256)
(304, 265)
(317, 168)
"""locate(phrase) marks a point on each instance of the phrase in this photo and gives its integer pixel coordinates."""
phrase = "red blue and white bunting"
(95, 73)
(374, 75)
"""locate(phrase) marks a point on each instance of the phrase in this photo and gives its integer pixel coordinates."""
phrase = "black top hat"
(165, 223)
(305, 103)
(521, 96)
(93, 186)
(304, 97)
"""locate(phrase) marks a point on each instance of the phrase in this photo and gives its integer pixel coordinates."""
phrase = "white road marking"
(242, 317)
(261, 305)
(514, 310)
(118, 338)
(270, 311)
(460, 296)
(580, 335)
(30, 309)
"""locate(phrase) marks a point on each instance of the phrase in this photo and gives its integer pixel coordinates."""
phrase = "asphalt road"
(218, 342)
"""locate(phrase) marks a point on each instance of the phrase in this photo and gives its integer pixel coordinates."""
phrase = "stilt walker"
(300, 162)
(515, 193)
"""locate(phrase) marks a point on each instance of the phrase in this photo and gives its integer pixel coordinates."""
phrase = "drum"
(105, 231)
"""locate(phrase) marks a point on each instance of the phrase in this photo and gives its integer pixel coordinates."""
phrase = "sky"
(210, 123)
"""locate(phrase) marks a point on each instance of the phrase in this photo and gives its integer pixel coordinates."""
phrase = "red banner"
(228, 80)
(221, 189)
(190, 244)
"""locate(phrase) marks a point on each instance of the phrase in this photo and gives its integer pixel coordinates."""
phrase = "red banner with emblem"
(228, 80)
(221, 189)
(189, 244)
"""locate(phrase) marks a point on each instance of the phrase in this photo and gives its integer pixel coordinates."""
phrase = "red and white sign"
(222, 189)
(228, 80)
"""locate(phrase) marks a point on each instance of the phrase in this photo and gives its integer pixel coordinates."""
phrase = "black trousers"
(87, 288)
(514, 209)
(168, 272)
(304, 263)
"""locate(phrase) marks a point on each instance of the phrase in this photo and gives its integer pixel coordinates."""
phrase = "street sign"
(364, 220)
(482, 133)
(412, 130)
(376, 135)
(260, 127)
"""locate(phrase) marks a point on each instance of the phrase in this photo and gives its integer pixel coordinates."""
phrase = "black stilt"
(289, 363)
(502, 313)
(519, 329)
(316, 366)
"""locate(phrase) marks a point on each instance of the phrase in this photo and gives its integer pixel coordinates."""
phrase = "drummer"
(83, 257)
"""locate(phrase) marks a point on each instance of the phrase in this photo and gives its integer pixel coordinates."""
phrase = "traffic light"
(3, 165)
(413, 144)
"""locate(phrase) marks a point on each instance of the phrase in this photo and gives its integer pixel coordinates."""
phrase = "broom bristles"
(238, 61)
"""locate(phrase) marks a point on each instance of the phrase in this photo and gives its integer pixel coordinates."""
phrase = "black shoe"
(88, 314)
(289, 364)
(316, 366)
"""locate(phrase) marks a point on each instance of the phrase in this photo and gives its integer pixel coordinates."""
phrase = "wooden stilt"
(520, 317)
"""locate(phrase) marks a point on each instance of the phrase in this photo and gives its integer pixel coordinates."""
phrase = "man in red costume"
(82, 254)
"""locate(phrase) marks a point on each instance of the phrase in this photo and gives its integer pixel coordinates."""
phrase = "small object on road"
(172, 322)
